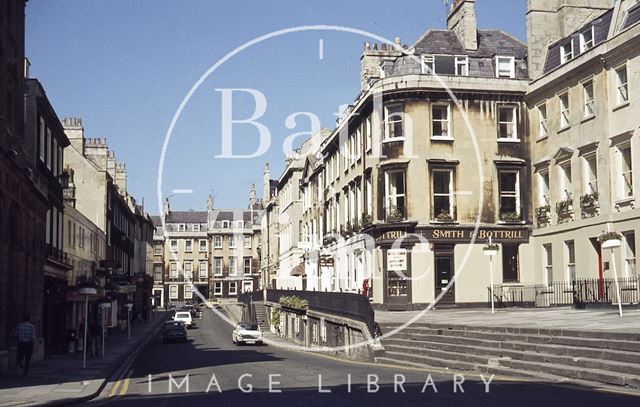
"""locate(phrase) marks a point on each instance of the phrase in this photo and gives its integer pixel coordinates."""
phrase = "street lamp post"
(491, 249)
(129, 307)
(86, 291)
(103, 308)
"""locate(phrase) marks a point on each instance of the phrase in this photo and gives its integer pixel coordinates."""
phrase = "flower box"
(609, 240)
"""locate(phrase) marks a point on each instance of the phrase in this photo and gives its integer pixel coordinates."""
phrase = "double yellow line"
(121, 382)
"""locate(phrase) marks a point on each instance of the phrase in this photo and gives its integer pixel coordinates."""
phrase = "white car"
(247, 332)
(184, 316)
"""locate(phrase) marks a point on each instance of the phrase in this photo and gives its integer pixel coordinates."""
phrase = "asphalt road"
(216, 371)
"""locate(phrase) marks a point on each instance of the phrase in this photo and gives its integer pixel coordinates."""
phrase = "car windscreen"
(183, 315)
(249, 327)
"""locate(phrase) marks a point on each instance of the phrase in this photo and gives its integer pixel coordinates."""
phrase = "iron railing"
(578, 292)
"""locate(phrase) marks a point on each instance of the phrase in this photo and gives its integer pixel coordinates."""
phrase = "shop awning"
(298, 270)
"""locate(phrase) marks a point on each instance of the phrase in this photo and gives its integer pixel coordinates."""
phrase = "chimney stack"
(462, 20)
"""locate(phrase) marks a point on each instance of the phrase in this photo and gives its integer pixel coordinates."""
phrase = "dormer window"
(428, 64)
(505, 67)
(587, 40)
(462, 65)
(566, 52)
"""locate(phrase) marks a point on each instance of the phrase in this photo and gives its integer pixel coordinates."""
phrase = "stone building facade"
(585, 149)
(214, 251)
(429, 161)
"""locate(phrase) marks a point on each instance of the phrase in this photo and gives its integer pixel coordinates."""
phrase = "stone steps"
(580, 357)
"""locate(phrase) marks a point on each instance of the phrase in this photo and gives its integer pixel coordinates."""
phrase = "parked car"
(247, 332)
(174, 331)
(185, 317)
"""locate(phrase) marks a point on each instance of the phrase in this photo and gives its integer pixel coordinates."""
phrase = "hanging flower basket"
(609, 240)
(490, 249)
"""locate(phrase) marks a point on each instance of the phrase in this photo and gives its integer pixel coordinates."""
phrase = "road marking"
(114, 388)
(125, 386)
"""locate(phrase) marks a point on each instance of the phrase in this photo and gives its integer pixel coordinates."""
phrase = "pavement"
(209, 369)
(61, 379)
(604, 319)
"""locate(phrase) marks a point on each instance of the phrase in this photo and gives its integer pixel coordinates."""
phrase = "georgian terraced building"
(214, 251)
(411, 162)
(585, 151)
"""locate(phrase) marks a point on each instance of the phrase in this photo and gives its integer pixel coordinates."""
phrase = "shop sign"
(397, 259)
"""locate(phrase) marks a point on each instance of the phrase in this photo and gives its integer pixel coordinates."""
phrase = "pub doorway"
(444, 272)
(397, 284)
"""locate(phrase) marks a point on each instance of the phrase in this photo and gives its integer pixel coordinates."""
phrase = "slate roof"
(187, 217)
(491, 43)
(601, 31)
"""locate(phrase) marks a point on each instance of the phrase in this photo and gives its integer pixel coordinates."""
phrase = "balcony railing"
(53, 253)
(578, 293)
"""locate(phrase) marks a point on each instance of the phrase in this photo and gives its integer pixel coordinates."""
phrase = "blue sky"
(124, 67)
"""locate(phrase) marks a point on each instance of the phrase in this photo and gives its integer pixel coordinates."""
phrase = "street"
(209, 368)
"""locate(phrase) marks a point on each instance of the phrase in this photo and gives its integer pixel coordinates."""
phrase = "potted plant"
(588, 201)
(394, 215)
(491, 249)
(367, 220)
(356, 227)
(444, 216)
(510, 217)
(543, 212)
(564, 207)
(609, 240)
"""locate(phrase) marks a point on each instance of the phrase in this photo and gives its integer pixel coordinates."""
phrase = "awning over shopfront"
(298, 270)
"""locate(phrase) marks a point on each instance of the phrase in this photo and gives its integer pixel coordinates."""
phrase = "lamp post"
(104, 307)
(86, 291)
(611, 240)
(491, 249)
(129, 306)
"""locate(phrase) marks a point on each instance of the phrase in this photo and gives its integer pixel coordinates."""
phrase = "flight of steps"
(557, 355)
(260, 316)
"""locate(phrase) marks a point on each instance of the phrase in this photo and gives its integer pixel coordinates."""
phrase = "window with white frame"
(440, 121)
(368, 136)
(233, 288)
(547, 258)
(428, 64)
(507, 123)
(587, 92)
(188, 245)
(157, 249)
(247, 265)
(157, 273)
(395, 193)
(188, 269)
(217, 288)
(629, 251)
(505, 67)
(188, 292)
(217, 241)
(196, 227)
(203, 245)
(233, 266)
(394, 116)
(565, 180)
(570, 257)
(203, 269)
(564, 109)
(542, 121)
(543, 187)
(590, 171)
(225, 224)
(217, 266)
(173, 270)
(173, 244)
(369, 195)
(232, 241)
(182, 227)
(173, 291)
(247, 241)
(587, 40)
(625, 171)
(462, 65)
(239, 224)
(42, 139)
(442, 193)
(566, 52)
(622, 86)
(509, 192)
